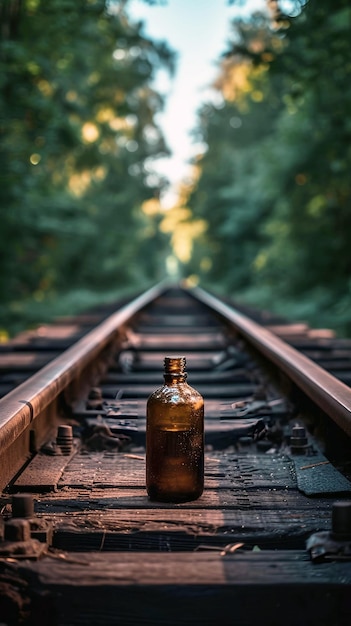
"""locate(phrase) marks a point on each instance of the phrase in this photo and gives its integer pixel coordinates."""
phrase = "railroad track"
(268, 542)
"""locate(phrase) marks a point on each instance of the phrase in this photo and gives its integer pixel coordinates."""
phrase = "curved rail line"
(269, 541)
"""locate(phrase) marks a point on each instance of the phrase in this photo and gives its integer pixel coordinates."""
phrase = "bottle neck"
(174, 367)
(174, 379)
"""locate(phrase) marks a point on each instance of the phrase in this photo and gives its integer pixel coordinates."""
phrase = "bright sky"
(198, 31)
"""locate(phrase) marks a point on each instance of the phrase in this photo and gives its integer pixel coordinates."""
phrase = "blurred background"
(206, 141)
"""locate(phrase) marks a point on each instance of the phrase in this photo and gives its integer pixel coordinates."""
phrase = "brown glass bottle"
(175, 437)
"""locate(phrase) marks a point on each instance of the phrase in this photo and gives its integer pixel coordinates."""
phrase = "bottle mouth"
(175, 364)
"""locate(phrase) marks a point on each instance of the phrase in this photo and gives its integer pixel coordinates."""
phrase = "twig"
(314, 465)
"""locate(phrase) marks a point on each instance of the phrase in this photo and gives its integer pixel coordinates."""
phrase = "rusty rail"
(333, 396)
(20, 408)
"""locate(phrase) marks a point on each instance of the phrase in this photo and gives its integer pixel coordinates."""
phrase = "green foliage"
(77, 128)
(276, 188)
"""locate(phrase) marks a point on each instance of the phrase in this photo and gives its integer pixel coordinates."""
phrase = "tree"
(77, 131)
(229, 193)
(278, 202)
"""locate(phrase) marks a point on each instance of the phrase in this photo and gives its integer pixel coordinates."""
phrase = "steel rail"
(329, 393)
(21, 406)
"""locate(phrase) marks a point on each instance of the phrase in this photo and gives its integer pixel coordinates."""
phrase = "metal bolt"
(298, 440)
(299, 432)
(341, 520)
(95, 399)
(22, 505)
(95, 393)
(245, 441)
(17, 530)
(64, 439)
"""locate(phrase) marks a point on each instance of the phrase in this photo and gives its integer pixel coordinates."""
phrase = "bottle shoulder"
(182, 392)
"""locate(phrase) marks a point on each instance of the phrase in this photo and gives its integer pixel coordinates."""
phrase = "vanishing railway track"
(269, 541)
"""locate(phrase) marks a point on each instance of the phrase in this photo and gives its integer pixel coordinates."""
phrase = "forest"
(274, 186)
(267, 212)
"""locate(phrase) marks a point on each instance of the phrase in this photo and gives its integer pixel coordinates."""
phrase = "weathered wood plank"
(108, 469)
(156, 378)
(195, 327)
(211, 499)
(43, 473)
(179, 341)
(181, 320)
(229, 390)
(190, 569)
(147, 361)
(77, 525)
(179, 589)
(218, 434)
(26, 361)
(136, 407)
(242, 524)
(226, 471)
(221, 471)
